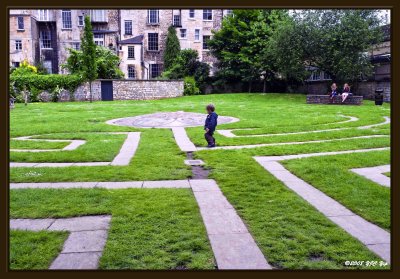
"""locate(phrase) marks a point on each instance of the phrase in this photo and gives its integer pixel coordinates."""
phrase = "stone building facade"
(136, 36)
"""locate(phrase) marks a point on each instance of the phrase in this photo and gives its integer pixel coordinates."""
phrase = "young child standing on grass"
(210, 125)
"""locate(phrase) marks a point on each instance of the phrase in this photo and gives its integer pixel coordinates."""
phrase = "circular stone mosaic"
(168, 120)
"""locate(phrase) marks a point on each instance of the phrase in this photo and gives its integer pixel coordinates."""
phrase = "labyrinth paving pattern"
(233, 237)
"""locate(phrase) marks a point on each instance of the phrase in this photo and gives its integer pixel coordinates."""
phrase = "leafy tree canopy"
(335, 41)
(106, 63)
(242, 45)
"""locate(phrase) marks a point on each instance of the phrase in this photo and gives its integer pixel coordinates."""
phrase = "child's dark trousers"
(209, 138)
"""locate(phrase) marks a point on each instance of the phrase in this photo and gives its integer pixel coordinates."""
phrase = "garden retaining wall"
(123, 90)
(326, 99)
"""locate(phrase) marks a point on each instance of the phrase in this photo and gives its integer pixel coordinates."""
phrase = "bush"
(45, 82)
(190, 87)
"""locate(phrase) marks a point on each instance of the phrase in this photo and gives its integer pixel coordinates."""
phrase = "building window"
(155, 70)
(327, 76)
(131, 52)
(128, 27)
(98, 15)
(197, 34)
(183, 33)
(18, 45)
(76, 46)
(15, 64)
(177, 20)
(20, 20)
(207, 14)
(99, 39)
(80, 21)
(191, 13)
(45, 39)
(43, 15)
(205, 40)
(66, 19)
(229, 12)
(131, 71)
(153, 16)
(153, 41)
(315, 75)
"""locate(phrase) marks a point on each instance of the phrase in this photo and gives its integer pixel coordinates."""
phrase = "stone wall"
(123, 90)
(337, 100)
(146, 89)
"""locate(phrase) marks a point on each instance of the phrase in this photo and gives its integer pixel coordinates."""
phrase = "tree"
(172, 48)
(187, 64)
(89, 55)
(334, 41)
(107, 63)
(243, 42)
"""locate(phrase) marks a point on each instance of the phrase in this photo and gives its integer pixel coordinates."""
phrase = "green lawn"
(150, 229)
(162, 229)
(34, 250)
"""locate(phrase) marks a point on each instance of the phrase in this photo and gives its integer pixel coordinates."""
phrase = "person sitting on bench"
(333, 92)
(346, 92)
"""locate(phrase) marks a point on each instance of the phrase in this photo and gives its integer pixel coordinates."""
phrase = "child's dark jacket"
(211, 122)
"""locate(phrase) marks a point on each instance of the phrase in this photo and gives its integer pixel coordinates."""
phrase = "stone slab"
(76, 261)
(30, 224)
(383, 250)
(195, 162)
(212, 199)
(74, 145)
(127, 150)
(73, 184)
(22, 165)
(166, 184)
(225, 221)
(53, 165)
(237, 251)
(30, 185)
(375, 174)
(120, 185)
(182, 140)
(200, 185)
(85, 241)
(91, 164)
(83, 223)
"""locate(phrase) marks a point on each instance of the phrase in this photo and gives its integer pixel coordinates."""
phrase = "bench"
(337, 100)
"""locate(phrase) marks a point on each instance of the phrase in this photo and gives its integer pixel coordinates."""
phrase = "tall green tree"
(243, 42)
(334, 41)
(172, 48)
(89, 55)
(107, 63)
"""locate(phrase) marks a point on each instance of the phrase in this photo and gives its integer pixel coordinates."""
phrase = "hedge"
(46, 82)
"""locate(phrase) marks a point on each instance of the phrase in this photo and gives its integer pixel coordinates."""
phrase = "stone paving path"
(230, 134)
(182, 140)
(375, 174)
(84, 245)
(232, 244)
(287, 143)
(376, 239)
(74, 144)
(123, 158)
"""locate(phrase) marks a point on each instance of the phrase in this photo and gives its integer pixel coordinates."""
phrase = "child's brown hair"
(210, 107)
